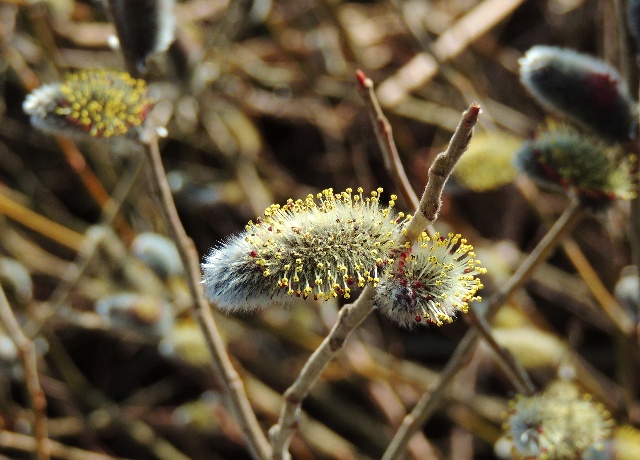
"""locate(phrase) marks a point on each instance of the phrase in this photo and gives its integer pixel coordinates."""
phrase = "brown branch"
(443, 165)
(89, 245)
(439, 172)
(27, 352)
(40, 224)
(254, 436)
(514, 370)
(350, 317)
(18, 441)
(384, 135)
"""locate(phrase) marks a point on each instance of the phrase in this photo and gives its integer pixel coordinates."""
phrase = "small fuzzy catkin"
(564, 158)
(96, 103)
(432, 280)
(488, 162)
(558, 424)
(585, 89)
(317, 248)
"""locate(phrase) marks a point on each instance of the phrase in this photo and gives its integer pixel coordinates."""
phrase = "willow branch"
(514, 370)
(240, 405)
(384, 135)
(352, 315)
(443, 164)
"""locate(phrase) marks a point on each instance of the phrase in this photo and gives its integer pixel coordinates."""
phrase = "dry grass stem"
(24, 443)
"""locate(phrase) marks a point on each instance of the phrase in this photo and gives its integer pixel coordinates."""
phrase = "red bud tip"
(361, 77)
(471, 115)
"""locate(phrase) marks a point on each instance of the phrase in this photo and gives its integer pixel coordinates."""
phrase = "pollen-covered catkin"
(565, 158)
(320, 248)
(431, 280)
(96, 103)
(557, 424)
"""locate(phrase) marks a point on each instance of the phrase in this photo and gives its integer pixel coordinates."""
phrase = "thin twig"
(443, 164)
(514, 370)
(254, 436)
(429, 402)
(384, 134)
(27, 352)
(349, 318)
(353, 314)
(607, 302)
(609, 305)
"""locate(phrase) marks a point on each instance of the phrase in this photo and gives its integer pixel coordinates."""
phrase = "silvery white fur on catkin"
(231, 281)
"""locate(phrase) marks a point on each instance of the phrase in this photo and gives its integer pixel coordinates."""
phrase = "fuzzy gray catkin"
(327, 248)
(565, 158)
(584, 89)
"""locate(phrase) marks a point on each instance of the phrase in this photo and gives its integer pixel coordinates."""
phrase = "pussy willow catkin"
(320, 247)
(97, 103)
(432, 280)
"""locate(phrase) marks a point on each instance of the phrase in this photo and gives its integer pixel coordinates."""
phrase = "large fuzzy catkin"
(144, 27)
(584, 89)
(321, 247)
(432, 280)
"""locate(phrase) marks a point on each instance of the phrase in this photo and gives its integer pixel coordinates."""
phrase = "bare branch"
(384, 134)
(256, 440)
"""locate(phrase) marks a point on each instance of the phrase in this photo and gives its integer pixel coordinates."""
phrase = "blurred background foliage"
(259, 102)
